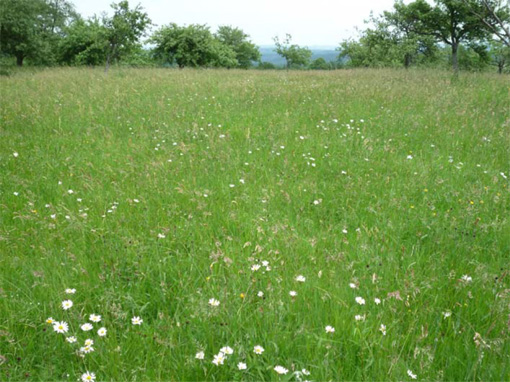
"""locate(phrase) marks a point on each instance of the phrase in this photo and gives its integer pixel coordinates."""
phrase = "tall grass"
(152, 191)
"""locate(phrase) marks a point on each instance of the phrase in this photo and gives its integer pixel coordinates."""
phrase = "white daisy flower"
(466, 278)
(89, 342)
(200, 355)
(227, 350)
(330, 329)
(101, 332)
(411, 374)
(377, 301)
(70, 291)
(219, 359)
(241, 366)
(305, 372)
(88, 376)
(293, 293)
(258, 349)
(67, 304)
(94, 318)
(360, 300)
(15, 154)
(214, 302)
(301, 278)
(61, 327)
(50, 320)
(136, 320)
(353, 286)
(382, 329)
(260, 294)
(265, 263)
(71, 339)
(86, 349)
(359, 317)
(255, 267)
(161, 236)
(281, 370)
(86, 327)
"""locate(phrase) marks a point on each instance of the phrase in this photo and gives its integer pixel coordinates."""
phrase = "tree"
(500, 55)
(123, 30)
(320, 64)
(192, 46)
(495, 16)
(32, 28)
(448, 21)
(245, 51)
(83, 44)
(294, 55)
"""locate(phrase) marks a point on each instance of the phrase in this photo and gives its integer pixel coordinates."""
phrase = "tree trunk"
(455, 58)
(501, 65)
(107, 64)
(19, 60)
(407, 60)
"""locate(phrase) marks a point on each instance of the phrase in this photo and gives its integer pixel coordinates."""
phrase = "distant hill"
(269, 55)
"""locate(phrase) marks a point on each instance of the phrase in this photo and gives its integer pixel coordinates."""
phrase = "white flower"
(359, 317)
(330, 329)
(281, 370)
(265, 263)
(305, 372)
(15, 193)
(301, 278)
(136, 320)
(136, 201)
(70, 291)
(219, 359)
(316, 202)
(466, 278)
(241, 366)
(293, 293)
(50, 320)
(67, 304)
(255, 267)
(410, 373)
(409, 157)
(89, 342)
(447, 314)
(70, 191)
(88, 376)
(344, 231)
(360, 300)
(214, 302)
(60, 327)
(260, 294)
(200, 355)
(258, 349)
(101, 332)
(227, 350)
(86, 349)
(94, 318)
(71, 339)
(382, 328)
(352, 286)
(377, 301)
(86, 327)
(161, 236)
(15, 154)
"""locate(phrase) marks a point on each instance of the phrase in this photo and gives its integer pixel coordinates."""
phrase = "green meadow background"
(152, 191)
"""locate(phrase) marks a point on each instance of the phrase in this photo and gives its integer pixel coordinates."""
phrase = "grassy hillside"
(351, 223)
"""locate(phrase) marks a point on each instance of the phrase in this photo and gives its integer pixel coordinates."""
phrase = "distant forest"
(460, 34)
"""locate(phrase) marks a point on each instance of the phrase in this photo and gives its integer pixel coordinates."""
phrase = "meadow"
(249, 225)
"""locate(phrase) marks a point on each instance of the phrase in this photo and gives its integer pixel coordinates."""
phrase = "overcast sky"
(311, 23)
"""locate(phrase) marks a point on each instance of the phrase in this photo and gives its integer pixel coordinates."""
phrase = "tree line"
(51, 32)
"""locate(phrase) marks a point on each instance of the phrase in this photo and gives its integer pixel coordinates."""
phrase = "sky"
(311, 23)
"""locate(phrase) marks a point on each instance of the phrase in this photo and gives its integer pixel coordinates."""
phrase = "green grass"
(337, 202)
